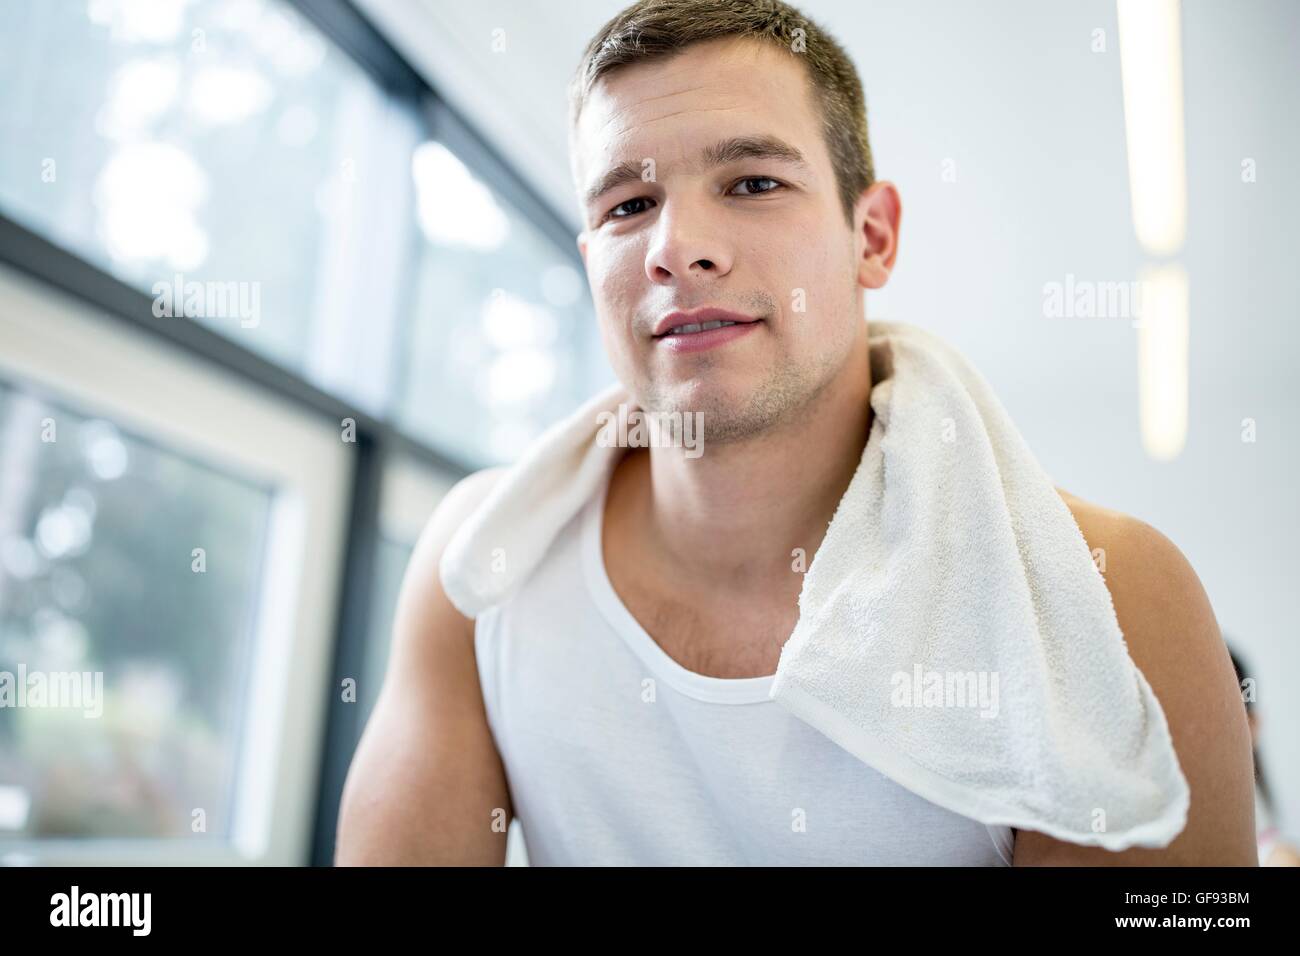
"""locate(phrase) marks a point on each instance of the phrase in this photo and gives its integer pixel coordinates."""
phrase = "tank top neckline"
(713, 690)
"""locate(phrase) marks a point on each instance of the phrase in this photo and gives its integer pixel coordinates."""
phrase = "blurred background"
(274, 274)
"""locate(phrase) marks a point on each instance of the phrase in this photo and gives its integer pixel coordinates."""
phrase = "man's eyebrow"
(720, 153)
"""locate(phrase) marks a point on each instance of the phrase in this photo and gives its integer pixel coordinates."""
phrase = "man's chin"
(697, 395)
(721, 414)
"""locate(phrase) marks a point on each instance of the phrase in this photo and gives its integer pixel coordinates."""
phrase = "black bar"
(912, 907)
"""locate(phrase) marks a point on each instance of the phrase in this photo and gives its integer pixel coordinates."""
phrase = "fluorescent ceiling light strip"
(1162, 360)
(1152, 70)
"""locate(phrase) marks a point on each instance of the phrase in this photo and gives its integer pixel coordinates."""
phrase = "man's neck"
(733, 516)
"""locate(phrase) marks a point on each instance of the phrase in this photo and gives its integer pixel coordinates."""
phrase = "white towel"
(954, 632)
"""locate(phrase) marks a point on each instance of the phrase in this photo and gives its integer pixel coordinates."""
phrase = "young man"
(752, 124)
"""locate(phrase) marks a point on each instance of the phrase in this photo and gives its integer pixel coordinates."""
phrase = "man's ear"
(582, 245)
(876, 219)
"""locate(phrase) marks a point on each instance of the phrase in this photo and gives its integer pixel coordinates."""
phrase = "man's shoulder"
(1101, 521)
(1164, 613)
(1126, 546)
(1144, 570)
(1171, 634)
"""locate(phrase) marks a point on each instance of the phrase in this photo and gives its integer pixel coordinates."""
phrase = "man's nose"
(688, 243)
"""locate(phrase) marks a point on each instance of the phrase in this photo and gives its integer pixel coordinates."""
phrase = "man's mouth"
(692, 328)
(698, 321)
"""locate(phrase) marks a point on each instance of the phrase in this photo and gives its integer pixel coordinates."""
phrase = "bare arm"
(1173, 638)
(426, 784)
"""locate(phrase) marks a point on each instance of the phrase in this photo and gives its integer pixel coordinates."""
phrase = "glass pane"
(391, 559)
(102, 592)
(221, 156)
(502, 332)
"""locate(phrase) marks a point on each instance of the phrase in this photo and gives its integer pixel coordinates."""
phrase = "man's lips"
(698, 321)
(712, 336)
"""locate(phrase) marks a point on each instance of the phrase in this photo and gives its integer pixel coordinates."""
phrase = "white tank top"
(615, 754)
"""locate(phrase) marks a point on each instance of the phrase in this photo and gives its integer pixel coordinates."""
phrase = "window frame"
(59, 344)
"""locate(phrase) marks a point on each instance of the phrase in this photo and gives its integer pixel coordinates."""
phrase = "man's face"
(762, 236)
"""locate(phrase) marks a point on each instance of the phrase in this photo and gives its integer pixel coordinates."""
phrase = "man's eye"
(613, 213)
(749, 180)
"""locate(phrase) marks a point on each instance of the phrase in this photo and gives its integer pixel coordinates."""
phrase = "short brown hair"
(654, 29)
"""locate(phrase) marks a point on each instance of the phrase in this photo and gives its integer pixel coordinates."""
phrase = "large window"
(278, 259)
